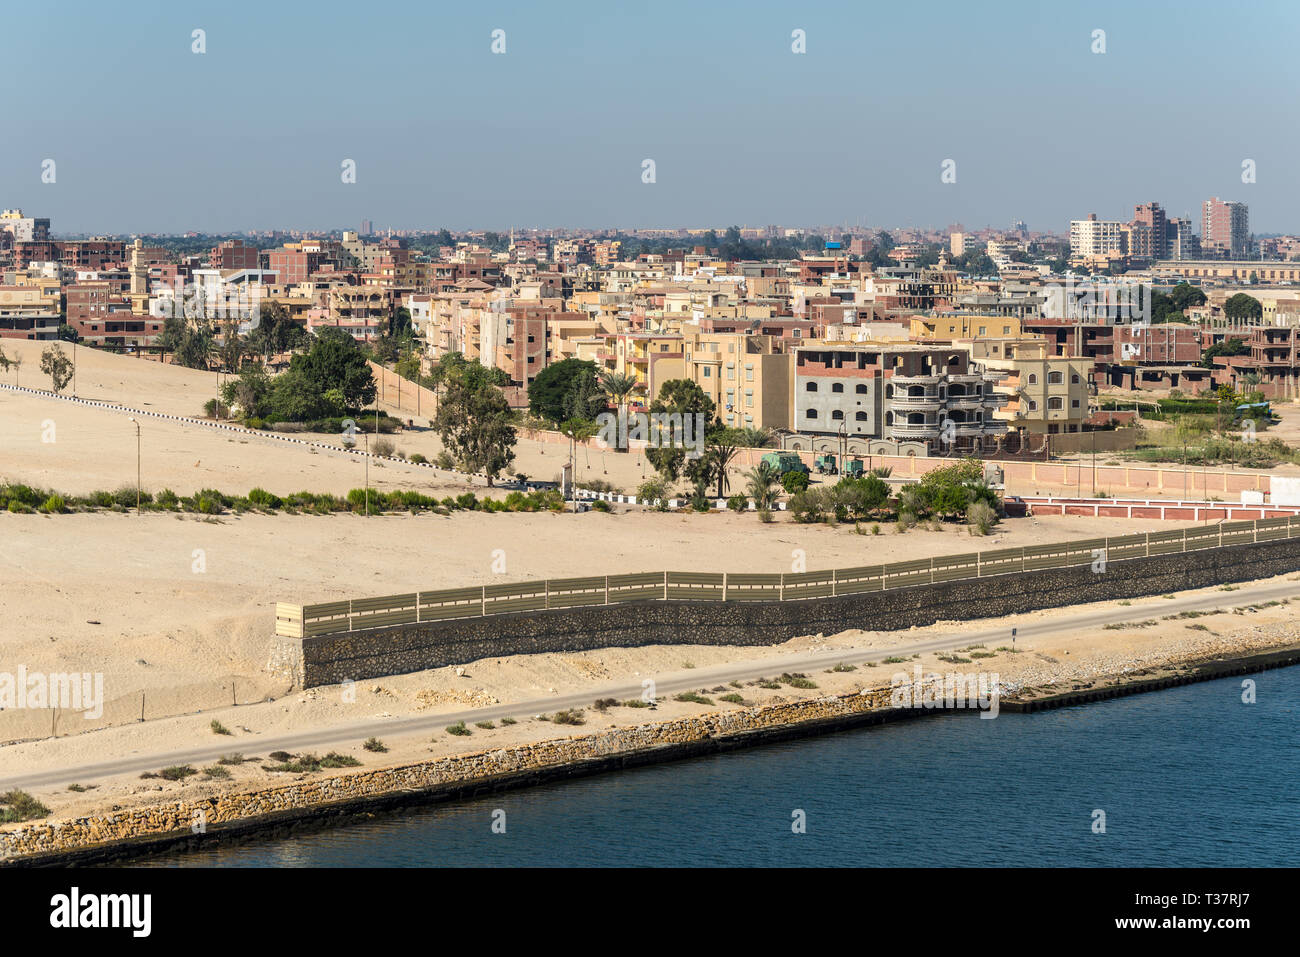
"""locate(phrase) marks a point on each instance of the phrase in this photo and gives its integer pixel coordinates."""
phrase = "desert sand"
(176, 611)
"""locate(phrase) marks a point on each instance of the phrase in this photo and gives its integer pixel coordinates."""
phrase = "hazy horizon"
(150, 137)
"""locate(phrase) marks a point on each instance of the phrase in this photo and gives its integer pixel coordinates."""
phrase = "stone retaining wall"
(375, 653)
(155, 826)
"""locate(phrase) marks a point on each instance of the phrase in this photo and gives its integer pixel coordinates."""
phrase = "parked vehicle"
(782, 462)
(826, 464)
(853, 468)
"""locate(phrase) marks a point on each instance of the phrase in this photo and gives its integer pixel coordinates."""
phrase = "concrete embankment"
(350, 796)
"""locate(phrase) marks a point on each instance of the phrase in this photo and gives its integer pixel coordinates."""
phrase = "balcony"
(967, 378)
(917, 431)
(898, 380)
(917, 403)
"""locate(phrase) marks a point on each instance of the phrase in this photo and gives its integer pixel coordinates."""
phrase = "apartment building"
(963, 326)
(1225, 228)
(1046, 394)
(748, 380)
(906, 393)
(1229, 271)
(1093, 237)
(30, 311)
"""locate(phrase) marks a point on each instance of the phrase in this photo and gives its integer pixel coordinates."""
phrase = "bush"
(166, 499)
(375, 745)
(574, 716)
(600, 505)
(216, 409)
(417, 458)
(980, 518)
(54, 503)
(125, 496)
(261, 498)
(218, 728)
(458, 729)
(654, 493)
(382, 447)
(18, 806)
(738, 503)
(444, 460)
(795, 482)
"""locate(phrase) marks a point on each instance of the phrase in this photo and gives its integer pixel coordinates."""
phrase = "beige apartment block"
(964, 327)
(1046, 394)
(747, 379)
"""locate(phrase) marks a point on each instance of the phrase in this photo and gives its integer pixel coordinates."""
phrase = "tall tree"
(474, 423)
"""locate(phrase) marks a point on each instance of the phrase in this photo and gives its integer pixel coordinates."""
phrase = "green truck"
(782, 462)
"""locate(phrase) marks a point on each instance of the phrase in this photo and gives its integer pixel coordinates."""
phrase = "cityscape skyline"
(741, 128)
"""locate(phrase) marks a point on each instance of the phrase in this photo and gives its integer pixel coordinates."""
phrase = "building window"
(708, 373)
(1033, 378)
(837, 387)
(837, 415)
(811, 387)
(861, 389)
(1055, 378)
(1033, 406)
(1074, 380)
(811, 414)
(1054, 403)
(861, 416)
(1074, 403)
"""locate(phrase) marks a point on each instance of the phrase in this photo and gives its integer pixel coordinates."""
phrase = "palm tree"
(762, 485)
(721, 452)
(619, 386)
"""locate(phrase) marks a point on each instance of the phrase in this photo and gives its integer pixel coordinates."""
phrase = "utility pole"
(137, 465)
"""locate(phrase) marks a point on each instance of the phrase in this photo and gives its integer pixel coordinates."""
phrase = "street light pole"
(137, 465)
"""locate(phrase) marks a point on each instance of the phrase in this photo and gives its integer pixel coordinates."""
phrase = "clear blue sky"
(148, 136)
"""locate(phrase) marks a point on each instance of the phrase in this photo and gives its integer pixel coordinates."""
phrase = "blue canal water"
(1191, 776)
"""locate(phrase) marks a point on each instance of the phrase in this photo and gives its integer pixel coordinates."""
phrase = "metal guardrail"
(359, 614)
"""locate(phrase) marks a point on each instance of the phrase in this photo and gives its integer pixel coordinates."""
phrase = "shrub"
(798, 681)
(166, 499)
(980, 517)
(574, 716)
(444, 460)
(693, 697)
(232, 759)
(794, 482)
(215, 408)
(417, 458)
(382, 447)
(508, 721)
(216, 771)
(604, 704)
(654, 493)
(125, 496)
(218, 728)
(738, 503)
(54, 503)
(458, 729)
(485, 725)
(177, 772)
(261, 498)
(600, 505)
(733, 698)
(18, 806)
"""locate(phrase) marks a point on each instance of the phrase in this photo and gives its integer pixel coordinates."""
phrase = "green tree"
(191, 341)
(1229, 347)
(56, 364)
(474, 423)
(667, 453)
(1243, 307)
(557, 385)
(762, 485)
(335, 361)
